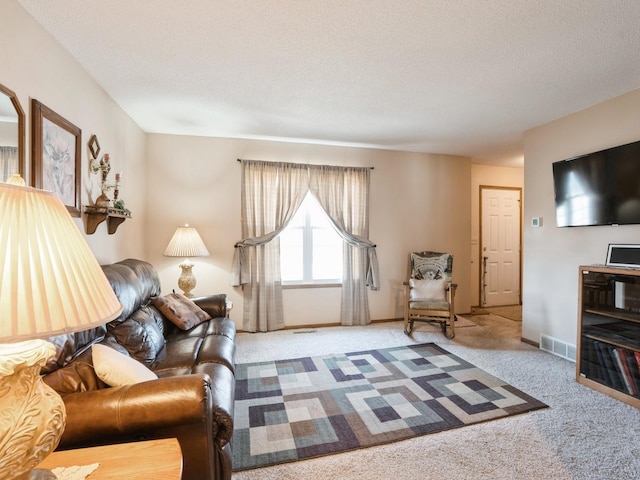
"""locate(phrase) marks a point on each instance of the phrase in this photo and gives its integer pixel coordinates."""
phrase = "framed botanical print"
(56, 155)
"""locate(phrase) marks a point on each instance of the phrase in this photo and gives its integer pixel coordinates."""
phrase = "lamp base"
(33, 414)
(187, 280)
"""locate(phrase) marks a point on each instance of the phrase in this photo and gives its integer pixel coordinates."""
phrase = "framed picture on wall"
(56, 155)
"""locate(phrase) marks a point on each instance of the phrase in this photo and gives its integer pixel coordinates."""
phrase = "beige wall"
(33, 65)
(552, 255)
(486, 176)
(418, 202)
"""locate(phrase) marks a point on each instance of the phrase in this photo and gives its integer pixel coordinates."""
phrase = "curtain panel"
(343, 193)
(271, 194)
(8, 162)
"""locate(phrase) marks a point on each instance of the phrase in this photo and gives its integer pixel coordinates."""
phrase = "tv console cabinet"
(608, 354)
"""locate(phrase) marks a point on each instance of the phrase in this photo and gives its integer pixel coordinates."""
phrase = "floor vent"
(557, 347)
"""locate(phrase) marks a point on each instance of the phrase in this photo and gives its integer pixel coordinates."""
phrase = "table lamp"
(186, 243)
(50, 284)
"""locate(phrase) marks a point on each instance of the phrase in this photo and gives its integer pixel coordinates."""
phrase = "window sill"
(291, 286)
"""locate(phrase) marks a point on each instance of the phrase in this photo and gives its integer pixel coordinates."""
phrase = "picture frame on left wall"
(56, 155)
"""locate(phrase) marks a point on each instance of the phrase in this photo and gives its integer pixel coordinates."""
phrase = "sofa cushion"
(180, 310)
(184, 351)
(77, 376)
(116, 369)
(70, 345)
(141, 334)
(134, 282)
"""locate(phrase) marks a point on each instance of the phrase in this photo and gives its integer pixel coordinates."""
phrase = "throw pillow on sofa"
(180, 310)
(116, 369)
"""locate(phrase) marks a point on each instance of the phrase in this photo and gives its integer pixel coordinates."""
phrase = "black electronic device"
(600, 188)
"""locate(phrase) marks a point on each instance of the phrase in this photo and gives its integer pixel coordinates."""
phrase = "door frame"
(480, 255)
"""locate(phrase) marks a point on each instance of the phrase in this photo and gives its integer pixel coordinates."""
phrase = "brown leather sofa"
(192, 400)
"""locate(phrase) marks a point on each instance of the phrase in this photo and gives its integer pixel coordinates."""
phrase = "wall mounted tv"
(600, 188)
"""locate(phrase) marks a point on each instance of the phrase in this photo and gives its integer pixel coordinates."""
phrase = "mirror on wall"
(11, 135)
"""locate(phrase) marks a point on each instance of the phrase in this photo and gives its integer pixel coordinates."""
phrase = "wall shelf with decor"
(97, 215)
(608, 357)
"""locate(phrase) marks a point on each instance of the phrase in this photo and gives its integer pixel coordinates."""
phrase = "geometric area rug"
(289, 410)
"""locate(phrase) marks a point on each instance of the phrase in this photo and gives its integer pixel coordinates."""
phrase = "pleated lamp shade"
(186, 242)
(50, 281)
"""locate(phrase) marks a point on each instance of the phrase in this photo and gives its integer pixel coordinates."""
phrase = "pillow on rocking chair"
(428, 290)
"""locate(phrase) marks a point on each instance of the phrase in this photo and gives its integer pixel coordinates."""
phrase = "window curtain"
(270, 195)
(8, 162)
(344, 195)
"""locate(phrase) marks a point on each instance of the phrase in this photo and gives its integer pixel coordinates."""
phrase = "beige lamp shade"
(50, 281)
(186, 242)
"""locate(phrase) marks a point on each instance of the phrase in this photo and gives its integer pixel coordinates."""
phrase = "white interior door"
(500, 246)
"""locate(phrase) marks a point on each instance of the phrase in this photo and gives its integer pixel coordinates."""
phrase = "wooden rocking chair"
(429, 293)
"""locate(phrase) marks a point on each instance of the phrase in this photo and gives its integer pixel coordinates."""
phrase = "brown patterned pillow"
(180, 310)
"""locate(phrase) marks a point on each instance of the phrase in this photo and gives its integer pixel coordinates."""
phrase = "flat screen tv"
(600, 188)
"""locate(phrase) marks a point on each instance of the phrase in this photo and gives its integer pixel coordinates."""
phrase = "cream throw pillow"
(428, 290)
(116, 369)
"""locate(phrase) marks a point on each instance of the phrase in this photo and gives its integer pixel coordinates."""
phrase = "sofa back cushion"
(140, 328)
(142, 334)
(134, 283)
(70, 345)
(77, 376)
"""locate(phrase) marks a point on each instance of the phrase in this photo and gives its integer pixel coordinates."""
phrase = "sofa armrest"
(134, 410)
(214, 305)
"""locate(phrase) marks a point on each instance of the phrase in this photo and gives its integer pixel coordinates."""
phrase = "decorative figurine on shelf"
(105, 167)
(103, 201)
(119, 204)
(116, 187)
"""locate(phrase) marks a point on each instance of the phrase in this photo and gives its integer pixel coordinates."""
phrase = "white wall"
(34, 65)
(8, 133)
(551, 254)
(418, 202)
(486, 176)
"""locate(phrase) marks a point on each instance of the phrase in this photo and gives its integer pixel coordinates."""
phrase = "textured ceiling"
(463, 77)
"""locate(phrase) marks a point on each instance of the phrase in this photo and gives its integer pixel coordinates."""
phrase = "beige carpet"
(584, 434)
(512, 312)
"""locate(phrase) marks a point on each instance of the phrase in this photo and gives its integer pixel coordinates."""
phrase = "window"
(310, 248)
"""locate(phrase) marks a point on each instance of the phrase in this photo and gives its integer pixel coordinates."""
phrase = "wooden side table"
(157, 459)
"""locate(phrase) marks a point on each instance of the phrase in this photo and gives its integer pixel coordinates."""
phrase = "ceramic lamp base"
(187, 280)
(33, 415)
